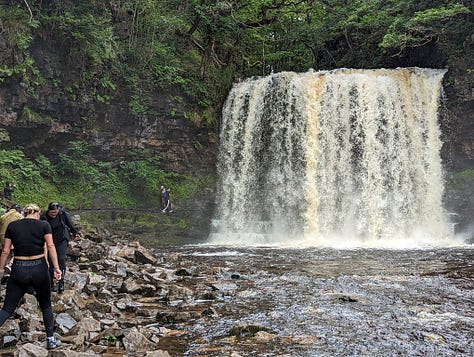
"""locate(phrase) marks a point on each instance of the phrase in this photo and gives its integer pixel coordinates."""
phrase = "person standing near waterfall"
(162, 197)
(165, 196)
(62, 228)
(8, 190)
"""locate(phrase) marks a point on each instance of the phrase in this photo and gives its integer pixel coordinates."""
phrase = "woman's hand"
(57, 274)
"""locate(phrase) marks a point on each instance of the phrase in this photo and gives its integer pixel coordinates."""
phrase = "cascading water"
(331, 157)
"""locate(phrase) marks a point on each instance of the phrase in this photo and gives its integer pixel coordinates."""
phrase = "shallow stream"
(327, 302)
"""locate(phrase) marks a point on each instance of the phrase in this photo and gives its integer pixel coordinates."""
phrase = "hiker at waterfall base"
(31, 238)
(63, 230)
(8, 190)
(13, 214)
(166, 200)
(162, 197)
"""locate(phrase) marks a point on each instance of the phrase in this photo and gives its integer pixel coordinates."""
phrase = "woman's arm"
(48, 238)
(68, 221)
(7, 246)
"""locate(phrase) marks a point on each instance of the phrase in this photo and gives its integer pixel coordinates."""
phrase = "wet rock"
(97, 238)
(89, 325)
(108, 335)
(174, 256)
(131, 286)
(158, 353)
(9, 341)
(91, 290)
(11, 328)
(97, 279)
(302, 340)
(127, 303)
(434, 337)
(31, 350)
(134, 342)
(113, 283)
(127, 253)
(168, 317)
(208, 296)
(98, 307)
(263, 336)
(76, 279)
(247, 330)
(209, 312)
(144, 256)
(179, 292)
(224, 286)
(65, 322)
(182, 272)
(90, 250)
(346, 298)
(121, 269)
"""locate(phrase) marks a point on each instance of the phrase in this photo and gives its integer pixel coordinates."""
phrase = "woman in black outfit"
(32, 240)
(62, 227)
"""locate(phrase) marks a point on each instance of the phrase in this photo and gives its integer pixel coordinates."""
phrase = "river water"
(328, 302)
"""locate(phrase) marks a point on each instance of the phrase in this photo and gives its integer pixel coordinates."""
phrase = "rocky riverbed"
(202, 300)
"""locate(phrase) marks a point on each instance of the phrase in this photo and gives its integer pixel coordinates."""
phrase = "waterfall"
(331, 157)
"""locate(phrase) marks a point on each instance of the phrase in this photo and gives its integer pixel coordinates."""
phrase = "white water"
(335, 158)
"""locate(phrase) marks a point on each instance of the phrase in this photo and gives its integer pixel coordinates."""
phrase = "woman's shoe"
(53, 343)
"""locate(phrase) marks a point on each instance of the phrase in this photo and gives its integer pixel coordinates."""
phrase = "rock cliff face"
(458, 150)
(47, 123)
(458, 123)
(43, 118)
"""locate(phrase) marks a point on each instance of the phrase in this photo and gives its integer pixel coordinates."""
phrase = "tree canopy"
(202, 46)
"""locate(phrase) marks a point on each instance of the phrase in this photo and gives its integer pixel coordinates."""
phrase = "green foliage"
(89, 37)
(461, 179)
(111, 339)
(139, 105)
(194, 50)
(17, 30)
(78, 181)
(30, 116)
(465, 175)
(30, 74)
(16, 26)
(27, 176)
(418, 28)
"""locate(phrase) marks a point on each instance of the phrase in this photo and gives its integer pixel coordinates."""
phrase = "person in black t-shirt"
(62, 228)
(32, 239)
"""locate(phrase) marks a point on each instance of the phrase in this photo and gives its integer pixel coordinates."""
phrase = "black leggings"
(61, 251)
(26, 274)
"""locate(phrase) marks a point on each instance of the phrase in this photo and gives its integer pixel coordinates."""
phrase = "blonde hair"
(31, 208)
